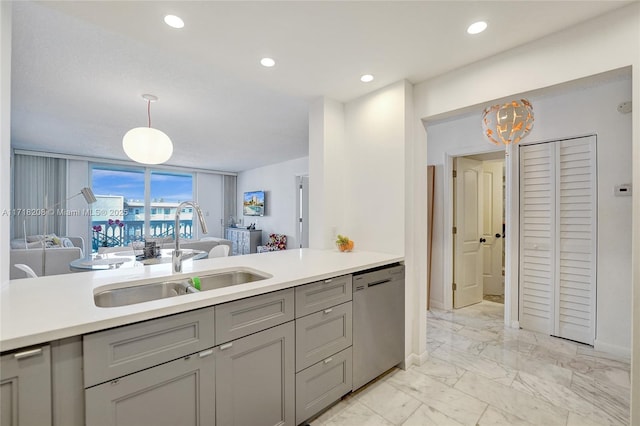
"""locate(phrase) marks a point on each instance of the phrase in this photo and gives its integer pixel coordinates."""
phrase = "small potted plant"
(344, 243)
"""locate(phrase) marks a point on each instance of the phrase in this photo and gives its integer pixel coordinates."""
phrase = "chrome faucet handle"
(176, 260)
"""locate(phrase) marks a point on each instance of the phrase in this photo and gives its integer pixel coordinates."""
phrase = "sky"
(130, 184)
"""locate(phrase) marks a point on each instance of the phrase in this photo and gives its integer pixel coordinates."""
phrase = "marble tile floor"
(480, 373)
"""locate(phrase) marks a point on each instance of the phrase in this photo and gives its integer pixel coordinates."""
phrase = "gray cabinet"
(324, 338)
(245, 316)
(320, 385)
(255, 379)
(124, 350)
(322, 334)
(180, 392)
(243, 241)
(25, 387)
(323, 294)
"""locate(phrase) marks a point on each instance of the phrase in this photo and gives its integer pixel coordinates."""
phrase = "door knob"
(498, 235)
(483, 240)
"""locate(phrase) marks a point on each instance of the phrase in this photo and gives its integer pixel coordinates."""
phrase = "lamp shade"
(147, 145)
(508, 123)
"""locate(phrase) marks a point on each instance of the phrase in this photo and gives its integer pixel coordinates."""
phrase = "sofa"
(46, 256)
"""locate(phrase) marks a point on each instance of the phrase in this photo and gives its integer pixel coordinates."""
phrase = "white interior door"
(537, 249)
(558, 238)
(467, 275)
(302, 197)
(576, 234)
(492, 220)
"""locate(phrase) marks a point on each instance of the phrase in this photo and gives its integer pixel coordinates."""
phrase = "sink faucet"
(176, 257)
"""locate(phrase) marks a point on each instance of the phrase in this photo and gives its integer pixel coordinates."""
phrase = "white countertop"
(39, 310)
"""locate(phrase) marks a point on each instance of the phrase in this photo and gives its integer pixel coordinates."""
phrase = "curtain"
(39, 193)
(229, 199)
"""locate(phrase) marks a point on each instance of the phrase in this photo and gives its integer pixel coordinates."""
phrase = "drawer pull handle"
(327, 311)
(328, 281)
(328, 360)
(28, 354)
(226, 346)
(205, 353)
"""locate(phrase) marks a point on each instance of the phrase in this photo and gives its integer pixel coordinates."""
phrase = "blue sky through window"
(168, 187)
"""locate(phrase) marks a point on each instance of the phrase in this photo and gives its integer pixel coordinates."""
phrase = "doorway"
(478, 228)
(302, 214)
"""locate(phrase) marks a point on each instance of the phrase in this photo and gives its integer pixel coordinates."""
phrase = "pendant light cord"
(149, 112)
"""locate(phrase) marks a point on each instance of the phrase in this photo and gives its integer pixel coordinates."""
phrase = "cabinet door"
(25, 388)
(255, 379)
(124, 350)
(323, 294)
(246, 316)
(180, 392)
(322, 384)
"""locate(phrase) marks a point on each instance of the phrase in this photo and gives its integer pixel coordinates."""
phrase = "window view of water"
(119, 216)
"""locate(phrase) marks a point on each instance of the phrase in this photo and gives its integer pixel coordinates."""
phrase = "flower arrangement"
(344, 243)
(101, 237)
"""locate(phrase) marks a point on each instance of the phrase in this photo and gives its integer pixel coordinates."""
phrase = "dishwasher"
(378, 322)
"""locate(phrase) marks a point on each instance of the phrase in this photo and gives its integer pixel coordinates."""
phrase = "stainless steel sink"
(226, 279)
(154, 291)
(142, 293)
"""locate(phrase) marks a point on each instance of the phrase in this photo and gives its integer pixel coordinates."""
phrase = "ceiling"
(79, 68)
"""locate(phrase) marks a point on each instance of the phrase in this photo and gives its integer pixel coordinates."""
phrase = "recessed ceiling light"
(267, 62)
(174, 21)
(477, 27)
(366, 78)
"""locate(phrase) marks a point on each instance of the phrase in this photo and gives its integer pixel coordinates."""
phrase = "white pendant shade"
(147, 145)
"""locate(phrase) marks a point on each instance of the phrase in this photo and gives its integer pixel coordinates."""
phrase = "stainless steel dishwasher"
(378, 322)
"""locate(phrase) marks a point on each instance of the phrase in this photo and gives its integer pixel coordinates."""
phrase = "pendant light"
(147, 145)
(507, 124)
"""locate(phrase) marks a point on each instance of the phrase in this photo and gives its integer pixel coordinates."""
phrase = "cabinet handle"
(328, 281)
(205, 353)
(226, 346)
(328, 360)
(28, 354)
(327, 311)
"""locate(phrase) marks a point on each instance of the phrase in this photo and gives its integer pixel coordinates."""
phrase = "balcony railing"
(116, 236)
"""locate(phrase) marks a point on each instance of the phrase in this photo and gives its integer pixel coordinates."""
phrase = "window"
(119, 214)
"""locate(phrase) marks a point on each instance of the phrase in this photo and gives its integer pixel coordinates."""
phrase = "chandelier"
(509, 123)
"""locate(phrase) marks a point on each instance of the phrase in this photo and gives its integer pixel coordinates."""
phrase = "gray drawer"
(320, 295)
(246, 316)
(119, 351)
(322, 334)
(320, 385)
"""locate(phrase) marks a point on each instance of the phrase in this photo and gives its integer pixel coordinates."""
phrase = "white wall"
(374, 170)
(363, 177)
(559, 117)
(577, 52)
(208, 195)
(280, 184)
(326, 172)
(5, 136)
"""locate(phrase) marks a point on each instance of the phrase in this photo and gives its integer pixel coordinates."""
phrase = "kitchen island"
(243, 354)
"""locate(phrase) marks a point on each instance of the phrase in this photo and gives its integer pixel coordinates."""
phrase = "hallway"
(478, 372)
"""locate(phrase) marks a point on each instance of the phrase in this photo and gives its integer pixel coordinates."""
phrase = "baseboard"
(515, 324)
(616, 350)
(437, 305)
(414, 359)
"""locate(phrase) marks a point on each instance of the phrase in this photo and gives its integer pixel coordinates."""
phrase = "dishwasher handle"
(371, 284)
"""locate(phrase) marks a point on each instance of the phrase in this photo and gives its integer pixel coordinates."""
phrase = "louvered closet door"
(537, 211)
(558, 238)
(576, 230)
